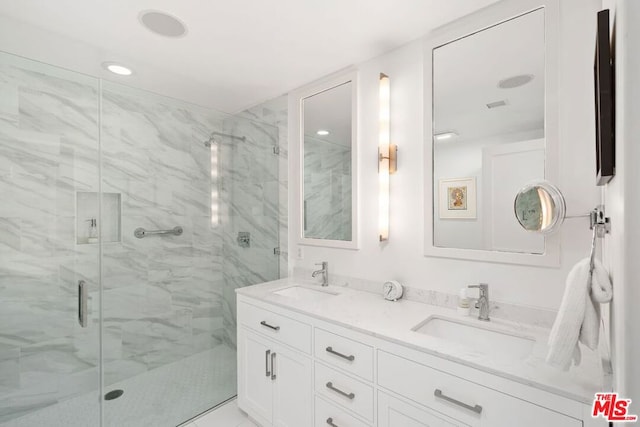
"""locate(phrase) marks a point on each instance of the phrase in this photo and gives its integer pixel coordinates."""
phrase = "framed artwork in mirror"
(457, 198)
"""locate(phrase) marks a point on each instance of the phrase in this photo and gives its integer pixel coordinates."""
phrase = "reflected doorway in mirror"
(457, 198)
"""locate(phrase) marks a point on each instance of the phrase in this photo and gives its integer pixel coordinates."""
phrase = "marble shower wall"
(327, 189)
(164, 297)
(275, 112)
(250, 199)
(48, 152)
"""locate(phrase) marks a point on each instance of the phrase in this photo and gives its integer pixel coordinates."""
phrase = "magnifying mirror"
(540, 207)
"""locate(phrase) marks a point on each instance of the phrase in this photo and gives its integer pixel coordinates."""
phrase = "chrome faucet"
(482, 302)
(324, 271)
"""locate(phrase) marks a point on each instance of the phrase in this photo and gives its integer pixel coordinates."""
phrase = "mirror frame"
(296, 157)
(467, 26)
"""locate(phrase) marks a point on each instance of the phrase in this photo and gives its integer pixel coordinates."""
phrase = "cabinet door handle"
(275, 328)
(476, 408)
(273, 366)
(350, 358)
(330, 422)
(337, 390)
(266, 363)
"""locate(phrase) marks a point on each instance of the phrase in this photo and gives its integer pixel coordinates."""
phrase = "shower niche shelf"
(87, 211)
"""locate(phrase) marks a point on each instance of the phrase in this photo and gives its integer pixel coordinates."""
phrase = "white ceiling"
(236, 54)
(466, 75)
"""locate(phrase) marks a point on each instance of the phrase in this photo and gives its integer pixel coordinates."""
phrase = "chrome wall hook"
(598, 220)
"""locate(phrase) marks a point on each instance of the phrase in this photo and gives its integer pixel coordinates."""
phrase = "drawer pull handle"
(275, 328)
(438, 393)
(330, 422)
(344, 356)
(266, 363)
(273, 366)
(337, 390)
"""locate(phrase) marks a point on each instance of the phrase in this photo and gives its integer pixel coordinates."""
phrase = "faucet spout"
(482, 303)
(324, 271)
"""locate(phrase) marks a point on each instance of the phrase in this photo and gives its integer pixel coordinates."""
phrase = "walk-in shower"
(96, 179)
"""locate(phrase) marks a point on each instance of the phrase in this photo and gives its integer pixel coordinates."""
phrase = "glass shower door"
(49, 363)
(169, 348)
(84, 165)
(169, 306)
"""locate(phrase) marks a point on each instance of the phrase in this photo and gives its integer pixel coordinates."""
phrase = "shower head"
(210, 141)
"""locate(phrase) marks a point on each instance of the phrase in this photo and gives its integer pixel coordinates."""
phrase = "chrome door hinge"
(276, 149)
(276, 251)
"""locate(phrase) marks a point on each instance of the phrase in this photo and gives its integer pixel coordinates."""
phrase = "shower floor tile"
(163, 397)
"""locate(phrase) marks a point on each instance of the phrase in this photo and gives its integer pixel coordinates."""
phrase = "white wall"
(402, 257)
(623, 203)
(465, 159)
(459, 161)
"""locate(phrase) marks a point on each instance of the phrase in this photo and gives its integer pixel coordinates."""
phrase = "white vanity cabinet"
(327, 375)
(470, 403)
(274, 380)
(397, 413)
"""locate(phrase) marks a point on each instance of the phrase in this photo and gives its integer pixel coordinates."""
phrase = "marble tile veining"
(164, 298)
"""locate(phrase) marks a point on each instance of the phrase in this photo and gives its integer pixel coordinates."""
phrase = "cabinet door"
(292, 395)
(255, 384)
(393, 412)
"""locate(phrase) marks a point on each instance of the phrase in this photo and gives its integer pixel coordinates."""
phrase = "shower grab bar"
(141, 232)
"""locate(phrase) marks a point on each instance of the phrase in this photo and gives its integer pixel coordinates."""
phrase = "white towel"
(578, 319)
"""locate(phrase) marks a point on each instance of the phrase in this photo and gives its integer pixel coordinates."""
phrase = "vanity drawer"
(344, 353)
(281, 328)
(460, 399)
(344, 390)
(328, 413)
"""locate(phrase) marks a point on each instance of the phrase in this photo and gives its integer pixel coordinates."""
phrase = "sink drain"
(113, 394)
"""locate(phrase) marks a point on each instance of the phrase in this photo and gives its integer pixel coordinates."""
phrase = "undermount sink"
(477, 337)
(299, 293)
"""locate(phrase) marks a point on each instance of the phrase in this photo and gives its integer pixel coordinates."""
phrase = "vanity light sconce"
(387, 157)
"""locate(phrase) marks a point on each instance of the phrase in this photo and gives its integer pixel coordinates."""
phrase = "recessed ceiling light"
(515, 81)
(443, 136)
(323, 132)
(162, 23)
(118, 69)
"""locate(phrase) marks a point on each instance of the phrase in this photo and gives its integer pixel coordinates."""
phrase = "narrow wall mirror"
(490, 136)
(327, 155)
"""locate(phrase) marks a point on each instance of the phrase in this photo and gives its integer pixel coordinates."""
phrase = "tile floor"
(228, 415)
(162, 397)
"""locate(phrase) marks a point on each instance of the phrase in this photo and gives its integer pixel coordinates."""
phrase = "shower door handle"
(82, 303)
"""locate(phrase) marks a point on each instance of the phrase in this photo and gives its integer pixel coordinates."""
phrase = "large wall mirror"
(327, 155)
(490, 136)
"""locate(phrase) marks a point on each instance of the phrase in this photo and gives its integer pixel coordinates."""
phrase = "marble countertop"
(371, 314)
